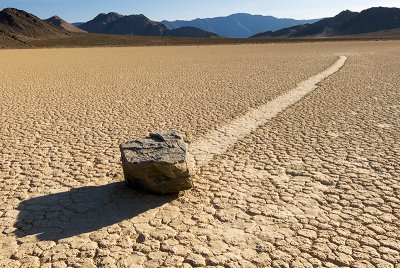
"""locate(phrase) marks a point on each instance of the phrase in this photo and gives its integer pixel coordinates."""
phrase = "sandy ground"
(315, 186)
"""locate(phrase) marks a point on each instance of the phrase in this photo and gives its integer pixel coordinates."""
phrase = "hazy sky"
(83, 10)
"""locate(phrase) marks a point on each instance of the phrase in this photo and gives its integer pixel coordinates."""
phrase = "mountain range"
(343, 24)
(21, 29)
(16, 24)
(240, 25)
(114, 23)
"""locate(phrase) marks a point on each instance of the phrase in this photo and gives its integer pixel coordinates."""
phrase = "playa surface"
(316, 184)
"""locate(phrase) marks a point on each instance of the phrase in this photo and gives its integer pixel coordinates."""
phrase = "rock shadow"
(81, 210)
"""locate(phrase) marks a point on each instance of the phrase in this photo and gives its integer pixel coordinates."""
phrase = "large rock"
(158, 164)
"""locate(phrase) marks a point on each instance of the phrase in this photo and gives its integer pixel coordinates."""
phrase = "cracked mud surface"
(219, 141)
(316, 186)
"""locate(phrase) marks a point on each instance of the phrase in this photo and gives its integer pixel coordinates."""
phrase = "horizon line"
(200, 17)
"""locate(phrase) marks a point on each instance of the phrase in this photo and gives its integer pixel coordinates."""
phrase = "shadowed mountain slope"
(14, 22)
(114, 23)
(345, 23)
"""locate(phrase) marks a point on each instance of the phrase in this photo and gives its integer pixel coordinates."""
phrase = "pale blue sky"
(83, 10)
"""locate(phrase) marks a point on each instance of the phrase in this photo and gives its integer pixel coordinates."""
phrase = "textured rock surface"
(157, 164)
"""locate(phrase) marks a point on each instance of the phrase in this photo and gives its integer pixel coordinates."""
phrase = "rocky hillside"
(62, 24)
(345, 23)
(14, 22)
(114, 23)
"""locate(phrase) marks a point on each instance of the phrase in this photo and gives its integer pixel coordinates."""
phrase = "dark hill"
(345, 23)
(372, 20)
(100, 23)
(14, 22)
(114, 23)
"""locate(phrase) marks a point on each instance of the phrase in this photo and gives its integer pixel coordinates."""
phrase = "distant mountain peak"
(345, 14)
(238, 25)
(108, 17)
(13, 10)
(62, 24)
(110, 14)
(249, 15)
(19, 13)
(55, 17)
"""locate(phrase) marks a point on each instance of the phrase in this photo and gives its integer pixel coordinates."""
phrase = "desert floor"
(317, 185)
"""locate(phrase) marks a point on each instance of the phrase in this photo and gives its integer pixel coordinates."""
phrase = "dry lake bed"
(297, 150)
